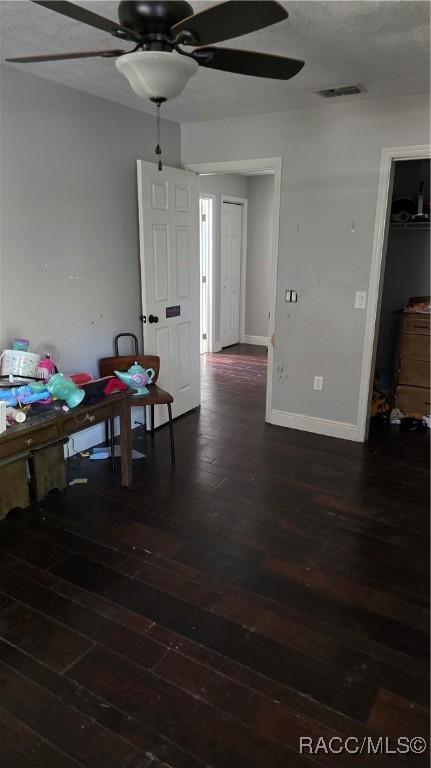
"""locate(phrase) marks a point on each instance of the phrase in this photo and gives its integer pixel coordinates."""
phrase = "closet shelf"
(426, 225)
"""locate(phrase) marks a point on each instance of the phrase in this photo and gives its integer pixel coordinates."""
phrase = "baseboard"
(327, 427)
(261, 340)
(92, 436)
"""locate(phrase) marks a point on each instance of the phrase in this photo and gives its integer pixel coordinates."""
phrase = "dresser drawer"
(419, 324)
(414, 345)
(28, 441)
(84, 419)
(413, 400)
(415, 373)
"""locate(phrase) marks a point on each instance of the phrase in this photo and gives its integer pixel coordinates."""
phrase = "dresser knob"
(91, 418)
(29, 441)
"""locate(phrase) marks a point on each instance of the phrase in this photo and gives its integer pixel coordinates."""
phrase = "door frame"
(243, 202)
(389, 157)
(258, 164)
(210, 282)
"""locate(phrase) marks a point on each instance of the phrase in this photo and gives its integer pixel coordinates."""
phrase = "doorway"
(254, 324)
(399, 269)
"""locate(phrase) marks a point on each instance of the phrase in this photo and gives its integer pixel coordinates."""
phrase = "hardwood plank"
(47, 640)
(98, 709)
(395, 715)
(91, 625)
(290, 667)
(20, 747)
(158, 703)
(78, 736)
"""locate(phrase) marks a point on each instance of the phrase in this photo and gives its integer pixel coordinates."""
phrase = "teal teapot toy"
(137, 378)
(62, 388)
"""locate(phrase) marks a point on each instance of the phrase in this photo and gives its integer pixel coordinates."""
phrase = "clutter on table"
(31, 384)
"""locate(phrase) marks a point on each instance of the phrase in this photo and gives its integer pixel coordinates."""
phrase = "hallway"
(274, 586)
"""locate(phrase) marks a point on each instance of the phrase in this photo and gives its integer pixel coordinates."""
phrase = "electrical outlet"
(318, 383)
(360, 299)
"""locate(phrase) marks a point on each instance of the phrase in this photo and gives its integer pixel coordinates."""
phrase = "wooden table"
(22, 441)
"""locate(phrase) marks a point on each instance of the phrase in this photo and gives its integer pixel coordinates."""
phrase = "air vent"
(341, 90)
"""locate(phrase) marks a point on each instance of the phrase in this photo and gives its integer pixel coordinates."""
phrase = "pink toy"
(46, 368)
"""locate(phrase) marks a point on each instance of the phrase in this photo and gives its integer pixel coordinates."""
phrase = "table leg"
(126, 445)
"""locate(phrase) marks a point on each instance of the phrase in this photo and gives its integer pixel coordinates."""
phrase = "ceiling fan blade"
(230, 19)
(248, 63)
(88, 17)
(73, 55)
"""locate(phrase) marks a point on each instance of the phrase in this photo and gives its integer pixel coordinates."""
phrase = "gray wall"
(259, 254)
(69, 228)
(331, 162)
(218, 185)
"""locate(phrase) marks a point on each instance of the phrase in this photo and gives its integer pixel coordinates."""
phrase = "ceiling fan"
(158, 67)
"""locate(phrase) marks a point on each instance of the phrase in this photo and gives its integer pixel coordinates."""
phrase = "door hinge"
(204, 217)
(204, 278)
(204, 336)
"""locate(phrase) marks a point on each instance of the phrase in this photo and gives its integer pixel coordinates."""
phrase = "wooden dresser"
(412, 364)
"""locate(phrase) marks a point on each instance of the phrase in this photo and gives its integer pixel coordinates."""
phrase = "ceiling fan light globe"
(157, 74)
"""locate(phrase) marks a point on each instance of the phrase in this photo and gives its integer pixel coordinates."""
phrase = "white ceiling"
(382, 45)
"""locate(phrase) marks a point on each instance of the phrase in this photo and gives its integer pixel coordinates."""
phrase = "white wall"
(69, 228)
(218, 185)
(330, 175)
(259, 256)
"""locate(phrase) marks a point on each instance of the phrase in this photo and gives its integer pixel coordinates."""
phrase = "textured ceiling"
(382, 45)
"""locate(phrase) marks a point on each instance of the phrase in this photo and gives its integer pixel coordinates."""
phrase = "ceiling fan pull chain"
(158, 147)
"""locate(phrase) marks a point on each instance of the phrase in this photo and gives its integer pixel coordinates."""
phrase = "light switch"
(360, 299)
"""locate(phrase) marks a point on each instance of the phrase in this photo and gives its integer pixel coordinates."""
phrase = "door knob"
(143, 318)
(153, 319)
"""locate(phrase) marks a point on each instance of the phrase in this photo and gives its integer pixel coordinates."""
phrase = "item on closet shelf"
(17, 363)
(420, 215)
(137, 378)
(2, 416)
(403, 208)
(21, 345)
(46, 368)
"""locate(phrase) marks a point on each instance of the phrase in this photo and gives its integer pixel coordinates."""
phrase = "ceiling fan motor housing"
(153, 19)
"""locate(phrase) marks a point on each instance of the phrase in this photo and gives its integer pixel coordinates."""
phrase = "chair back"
(107, 365)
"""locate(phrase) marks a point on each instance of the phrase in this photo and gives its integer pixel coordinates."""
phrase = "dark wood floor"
(274, 586)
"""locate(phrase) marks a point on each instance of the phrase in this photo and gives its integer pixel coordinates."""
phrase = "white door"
(169, 248)
(230, 257)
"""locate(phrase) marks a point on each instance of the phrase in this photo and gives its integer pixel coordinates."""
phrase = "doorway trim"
(243, 202)
(388, 158)
(258, 164)
(210, 281)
